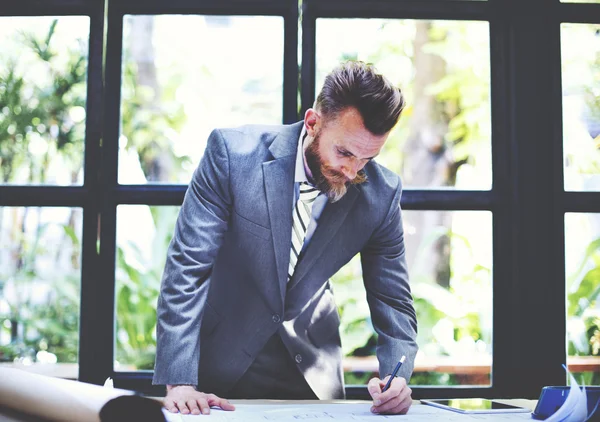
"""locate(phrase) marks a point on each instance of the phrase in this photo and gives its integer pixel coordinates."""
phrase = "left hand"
(395, 401)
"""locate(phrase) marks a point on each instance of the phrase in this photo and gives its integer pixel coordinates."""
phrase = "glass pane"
(40, 278)
(143, 236)
(450, 265)
(443, 139)
(176, 88)
(580, 51)
(582, 265)
(43, 73)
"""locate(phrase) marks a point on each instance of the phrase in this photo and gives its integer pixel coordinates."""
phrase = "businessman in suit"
(246, 309)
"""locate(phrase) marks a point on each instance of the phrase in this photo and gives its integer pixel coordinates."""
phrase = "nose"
(349, 173)
(350, 170)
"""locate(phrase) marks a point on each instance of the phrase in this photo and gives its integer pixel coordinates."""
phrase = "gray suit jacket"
(224, 291)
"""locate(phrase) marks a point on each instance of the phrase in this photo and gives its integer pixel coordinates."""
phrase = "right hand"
(185, 399)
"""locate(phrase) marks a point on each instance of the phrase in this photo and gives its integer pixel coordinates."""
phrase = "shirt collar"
(300, 175)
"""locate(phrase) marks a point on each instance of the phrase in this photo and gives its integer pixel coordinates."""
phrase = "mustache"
(337, 177)
(334, 184)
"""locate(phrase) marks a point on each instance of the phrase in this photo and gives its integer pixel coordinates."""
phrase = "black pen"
(402, 359)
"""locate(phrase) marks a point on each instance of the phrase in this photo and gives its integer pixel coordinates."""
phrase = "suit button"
(298, 358)
(276, 318)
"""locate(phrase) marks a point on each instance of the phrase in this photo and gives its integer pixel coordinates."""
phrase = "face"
(338, 149)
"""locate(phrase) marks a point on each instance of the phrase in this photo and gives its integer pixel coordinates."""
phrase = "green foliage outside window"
(42, 110)
(42, 122)
(38, 325)
(138, 286)
(583, 314)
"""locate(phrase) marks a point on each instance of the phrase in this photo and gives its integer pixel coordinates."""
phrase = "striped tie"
(301, 218)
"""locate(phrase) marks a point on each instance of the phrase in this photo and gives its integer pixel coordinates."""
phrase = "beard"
(333, 183)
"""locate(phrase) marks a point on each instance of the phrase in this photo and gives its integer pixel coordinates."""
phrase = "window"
(580, 49)
(49, 64)
(443, 141)
(449, 258)
(175, 89)
(42, 99)
(444, 136)
(165, 92)
(143, 235)
(102, 127)
(583, 287)
(39, 304)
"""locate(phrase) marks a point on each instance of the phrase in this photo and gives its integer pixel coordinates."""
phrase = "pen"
(402, 359)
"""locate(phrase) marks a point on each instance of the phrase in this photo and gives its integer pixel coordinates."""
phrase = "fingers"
(195, 403)
(170, 405)
(192, 405)
(204, 406)
(374, 387)
(398, 384)
(396, 405)
(182, 407)
(218, 401)
(396, 400)
(399, 409)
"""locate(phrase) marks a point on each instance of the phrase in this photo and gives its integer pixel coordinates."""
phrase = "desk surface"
(7, 415)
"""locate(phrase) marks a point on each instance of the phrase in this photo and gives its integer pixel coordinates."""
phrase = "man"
(246, 309)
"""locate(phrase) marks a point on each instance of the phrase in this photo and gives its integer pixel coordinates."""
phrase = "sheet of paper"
(332, 412)
(574, 409)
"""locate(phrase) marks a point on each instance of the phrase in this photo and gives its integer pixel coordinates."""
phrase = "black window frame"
(87, 196)
(165, 194)
(527, 199)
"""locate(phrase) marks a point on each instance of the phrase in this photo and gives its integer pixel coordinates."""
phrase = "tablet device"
(475, 406)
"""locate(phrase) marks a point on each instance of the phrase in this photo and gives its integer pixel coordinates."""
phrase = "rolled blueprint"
(65, 400)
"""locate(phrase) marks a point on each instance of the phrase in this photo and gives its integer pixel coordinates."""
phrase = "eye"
(343, 153)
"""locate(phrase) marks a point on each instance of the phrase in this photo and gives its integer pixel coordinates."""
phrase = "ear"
(312, 120)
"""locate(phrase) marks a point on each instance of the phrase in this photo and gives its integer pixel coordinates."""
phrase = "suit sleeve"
(388, 293)
(199, 232)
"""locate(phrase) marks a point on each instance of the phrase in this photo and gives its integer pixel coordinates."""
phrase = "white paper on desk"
(329, 412)
(574, 409)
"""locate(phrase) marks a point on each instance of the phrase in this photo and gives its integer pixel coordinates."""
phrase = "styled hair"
(357, 84)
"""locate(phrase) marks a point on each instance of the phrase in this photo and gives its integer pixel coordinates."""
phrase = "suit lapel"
(329, 223)
(279, 190)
